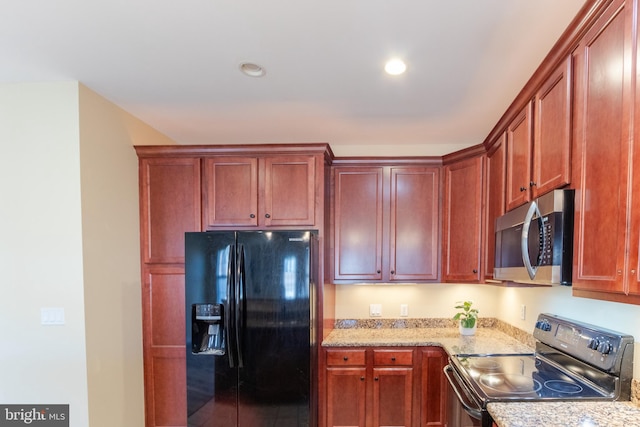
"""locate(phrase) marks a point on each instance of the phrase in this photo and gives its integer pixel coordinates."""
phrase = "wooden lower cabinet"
(346, 374)
(375, 387)
(433, 387)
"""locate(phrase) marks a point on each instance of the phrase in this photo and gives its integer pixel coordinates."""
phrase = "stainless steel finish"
(604, 355)
(573, 361)
(551, 262)
(469, 405)
(545, 275)
(524, 240)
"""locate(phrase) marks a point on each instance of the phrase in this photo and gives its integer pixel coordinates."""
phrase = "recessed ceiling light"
(252, 70)
(395, 67)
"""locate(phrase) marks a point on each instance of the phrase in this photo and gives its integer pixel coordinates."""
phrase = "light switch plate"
(52, 316)
(375, 310)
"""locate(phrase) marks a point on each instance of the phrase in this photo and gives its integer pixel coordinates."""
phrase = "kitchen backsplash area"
(513, 309)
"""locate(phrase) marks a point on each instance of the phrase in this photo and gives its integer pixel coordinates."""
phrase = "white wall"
(69, 238)
(41, 248)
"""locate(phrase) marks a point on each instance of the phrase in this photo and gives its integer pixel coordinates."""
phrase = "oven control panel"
(597, 346)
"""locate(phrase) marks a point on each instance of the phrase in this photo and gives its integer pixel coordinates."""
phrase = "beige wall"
(70, 239)
(111, 248)
(437, 300)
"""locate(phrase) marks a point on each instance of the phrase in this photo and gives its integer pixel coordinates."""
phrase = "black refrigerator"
(250, 328)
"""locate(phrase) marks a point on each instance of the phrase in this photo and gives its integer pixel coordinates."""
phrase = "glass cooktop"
(522, 377)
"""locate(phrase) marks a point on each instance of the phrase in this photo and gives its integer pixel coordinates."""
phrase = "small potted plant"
(467, 317)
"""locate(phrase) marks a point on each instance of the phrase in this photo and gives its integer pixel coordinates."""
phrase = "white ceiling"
(174, 64)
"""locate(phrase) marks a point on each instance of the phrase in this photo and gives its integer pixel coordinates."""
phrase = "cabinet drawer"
(393, 357)
(345, 357)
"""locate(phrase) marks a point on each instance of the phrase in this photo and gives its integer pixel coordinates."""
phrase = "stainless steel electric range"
(572, 361)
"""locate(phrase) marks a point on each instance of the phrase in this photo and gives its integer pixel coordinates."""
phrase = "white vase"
(468, 331)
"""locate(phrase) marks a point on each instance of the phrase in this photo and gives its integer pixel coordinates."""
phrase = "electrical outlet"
(523, 312)
(404, 310)
(375, 310)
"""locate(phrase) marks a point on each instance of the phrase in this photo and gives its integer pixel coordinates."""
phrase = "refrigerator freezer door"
(212, 391)
(275, 312)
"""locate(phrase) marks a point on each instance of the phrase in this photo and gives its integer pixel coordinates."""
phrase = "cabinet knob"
(523, 189)
(475, 271)
(393, 359)
(252, 216)
(267, 216)
(376, 378)
(378, 271)
(345, 358)
(393, 272)
(532, 184)
(361, 378)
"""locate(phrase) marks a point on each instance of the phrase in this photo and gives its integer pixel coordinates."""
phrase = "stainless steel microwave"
(534, 242)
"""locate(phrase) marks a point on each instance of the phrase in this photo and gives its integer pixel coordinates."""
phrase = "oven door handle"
(474, 411)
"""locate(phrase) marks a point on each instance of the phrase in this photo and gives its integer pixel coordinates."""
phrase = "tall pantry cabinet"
(198, 188)
(169, 206)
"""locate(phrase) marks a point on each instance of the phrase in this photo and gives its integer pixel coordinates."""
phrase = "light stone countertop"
(565, 414)
(485, 341)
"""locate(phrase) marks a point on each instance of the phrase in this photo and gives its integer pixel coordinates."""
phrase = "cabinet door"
(495, 179)
(413, 240)
(346, 395)
(163, 224)
(433, 400)
(230, 192)
(358, 223)
(289, 191)
(519, 148)
(603, 100)
(392, 396)
(164, 347)
(462, 220)
(552, 136)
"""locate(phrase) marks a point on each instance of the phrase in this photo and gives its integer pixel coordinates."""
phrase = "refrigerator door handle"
(229, 309)
(240, 301)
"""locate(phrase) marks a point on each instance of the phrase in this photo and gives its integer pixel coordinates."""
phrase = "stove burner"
(563, 386)
(486, 364)
(508, 383)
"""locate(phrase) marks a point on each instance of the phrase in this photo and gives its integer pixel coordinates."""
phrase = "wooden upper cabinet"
(163, 224)
(358, 223)
(230, 191)
(289, 191)
(461, 241)
(604, 225)
(519, 150)
(414, 224)
(259, 192)
(552, 134)
(539, 140)
(495, 181)
(386, 223)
